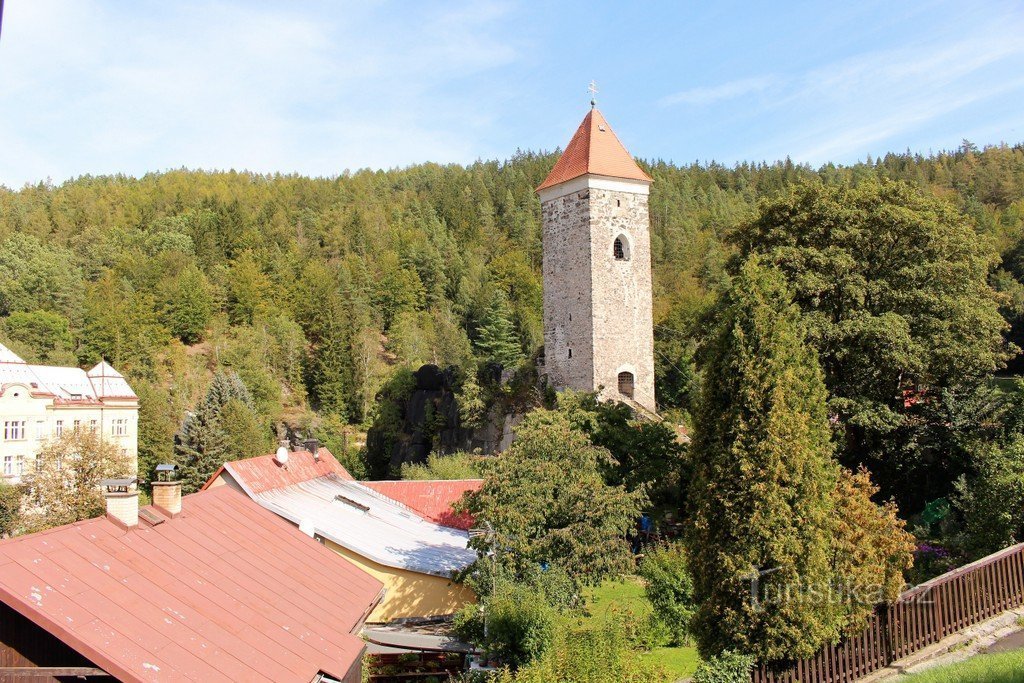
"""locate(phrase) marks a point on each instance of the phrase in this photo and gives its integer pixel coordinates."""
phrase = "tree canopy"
(892, 284)
(548, 504)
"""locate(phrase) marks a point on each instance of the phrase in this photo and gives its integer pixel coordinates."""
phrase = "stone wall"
(596, 307)
(568, 333)
(623, 335)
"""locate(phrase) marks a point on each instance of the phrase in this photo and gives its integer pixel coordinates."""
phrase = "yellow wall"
(408, 594)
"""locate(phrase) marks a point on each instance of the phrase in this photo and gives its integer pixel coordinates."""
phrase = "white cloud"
(718, 93)
(99, 88)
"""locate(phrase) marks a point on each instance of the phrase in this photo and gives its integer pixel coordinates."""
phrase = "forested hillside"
(314, 291)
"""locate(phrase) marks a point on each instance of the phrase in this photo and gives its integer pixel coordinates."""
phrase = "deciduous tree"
(892, 285)
(549, 505)
(64, 485)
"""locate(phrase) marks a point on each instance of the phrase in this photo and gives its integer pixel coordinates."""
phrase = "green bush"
(669, 588)
(598, 653)
(447, 467)
(10, 509)
(728, 667)
(520, 626)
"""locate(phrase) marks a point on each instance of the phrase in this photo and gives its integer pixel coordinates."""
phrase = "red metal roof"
(225, 591)
(263, 473)
(594, 149)
(432, 500)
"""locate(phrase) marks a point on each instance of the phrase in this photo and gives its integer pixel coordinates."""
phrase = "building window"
(77, 424)
(119, 427)
(40, 430)
(570, 353)
(618, 202)
(20, 465)
(8, 465)
(626, 384)
(14, 430)
(92, 426)
(620, 248)
(59, 430)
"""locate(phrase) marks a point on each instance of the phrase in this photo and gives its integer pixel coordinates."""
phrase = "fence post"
(890, 647)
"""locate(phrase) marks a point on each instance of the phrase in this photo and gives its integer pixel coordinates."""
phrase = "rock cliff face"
(427, 420)
(430, 419)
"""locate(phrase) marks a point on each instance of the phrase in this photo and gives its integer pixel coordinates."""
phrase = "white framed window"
(119, 427)
(8, 465)
(59, 429)
(14, 430)
(77, 425)
(40, 429)
(92, 426)
(19, 465)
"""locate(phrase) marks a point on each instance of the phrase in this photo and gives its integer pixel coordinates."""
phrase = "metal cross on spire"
(592, 89)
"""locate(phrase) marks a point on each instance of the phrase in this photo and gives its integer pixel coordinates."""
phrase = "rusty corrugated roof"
(225, 591)
(431, 499)
(263, 472)
(594, 149)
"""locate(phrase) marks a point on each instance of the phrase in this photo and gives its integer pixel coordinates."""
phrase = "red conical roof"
(594, 149)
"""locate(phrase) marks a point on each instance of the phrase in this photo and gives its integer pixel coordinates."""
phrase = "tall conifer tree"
(764, 480)
(497, 337)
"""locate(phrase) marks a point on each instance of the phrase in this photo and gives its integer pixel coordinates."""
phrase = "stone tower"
(598, 329)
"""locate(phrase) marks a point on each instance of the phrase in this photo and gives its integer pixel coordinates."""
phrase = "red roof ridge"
(594, 150)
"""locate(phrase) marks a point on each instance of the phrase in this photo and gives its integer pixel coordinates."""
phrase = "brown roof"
(263, 473)
(432, 500)
(225, 591)
(594, 149)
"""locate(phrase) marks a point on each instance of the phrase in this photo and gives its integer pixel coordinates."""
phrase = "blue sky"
(89, 86)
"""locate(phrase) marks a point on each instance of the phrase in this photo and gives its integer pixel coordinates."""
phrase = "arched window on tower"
(626, 384)
(620, 248)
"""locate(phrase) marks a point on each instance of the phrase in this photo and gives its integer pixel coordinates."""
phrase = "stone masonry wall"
(622, 294)
(568, 343)
(594, 305)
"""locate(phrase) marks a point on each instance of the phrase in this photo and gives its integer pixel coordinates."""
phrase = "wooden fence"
(920, 617)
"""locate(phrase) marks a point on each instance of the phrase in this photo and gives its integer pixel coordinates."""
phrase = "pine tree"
(764, 478)
(496, 336)
(205, 440)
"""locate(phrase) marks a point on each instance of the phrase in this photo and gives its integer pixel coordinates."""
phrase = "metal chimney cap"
(166, 467)
(119, 485)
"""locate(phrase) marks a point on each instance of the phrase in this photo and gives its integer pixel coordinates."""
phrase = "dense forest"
(289, 302)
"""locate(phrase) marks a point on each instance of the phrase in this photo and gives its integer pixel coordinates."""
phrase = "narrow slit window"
(570, 353)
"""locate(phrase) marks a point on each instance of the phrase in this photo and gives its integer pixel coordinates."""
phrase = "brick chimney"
(122, 497)
(167, 490)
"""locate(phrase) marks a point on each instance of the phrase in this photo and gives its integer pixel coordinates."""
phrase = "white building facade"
(39, 403)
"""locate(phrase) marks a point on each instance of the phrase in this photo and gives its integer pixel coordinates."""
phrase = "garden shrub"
(669, 588)
(727, 667)
(589, 654)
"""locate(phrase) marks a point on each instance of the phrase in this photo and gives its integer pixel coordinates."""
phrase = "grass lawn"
(1007, 667)
(679, 661)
